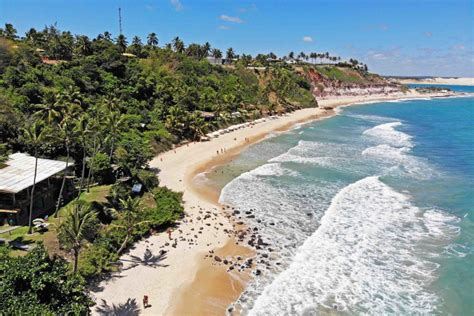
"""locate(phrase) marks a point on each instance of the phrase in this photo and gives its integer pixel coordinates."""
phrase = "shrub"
(168, 207)
(97, 259)
(102, 168)
(148, 179)
(39, 285)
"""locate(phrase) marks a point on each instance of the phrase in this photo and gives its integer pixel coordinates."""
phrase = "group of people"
(221, 151)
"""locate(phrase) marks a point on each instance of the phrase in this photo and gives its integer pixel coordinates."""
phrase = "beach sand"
(442, 81)
(188, 280)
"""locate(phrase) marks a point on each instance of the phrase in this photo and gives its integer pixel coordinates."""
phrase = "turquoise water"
(369, 212)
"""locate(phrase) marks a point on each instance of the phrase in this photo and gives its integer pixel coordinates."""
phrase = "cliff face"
(332, 81)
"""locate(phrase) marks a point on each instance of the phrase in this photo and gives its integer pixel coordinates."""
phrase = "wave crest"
(366, 257)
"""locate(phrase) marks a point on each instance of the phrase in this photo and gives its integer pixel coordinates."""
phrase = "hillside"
(157, 96)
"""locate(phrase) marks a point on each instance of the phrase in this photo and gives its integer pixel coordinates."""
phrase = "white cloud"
(177, 5)
(307, 39)
(233, 19)
(428, 34)
(224, 27)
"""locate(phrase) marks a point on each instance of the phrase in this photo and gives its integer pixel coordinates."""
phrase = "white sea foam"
(285, 210)
(371, 118)
(387, 134)
(398, 159)
(269, 169)
(363, 259)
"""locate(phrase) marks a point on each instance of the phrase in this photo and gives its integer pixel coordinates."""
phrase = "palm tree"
(197, 125)
(230, 54)
(9, 31)
(76, 229)
(49, 109)
(114, 121)
(94, 145)
(31, 36)
(66, 132)
(131, 209)
(34, 135)
(137, 41)
(82, 129)
(122, 43)
(178, 45)
(83, 45)
(107, 36)
(206, 48)
(216, 53)
(152, 40)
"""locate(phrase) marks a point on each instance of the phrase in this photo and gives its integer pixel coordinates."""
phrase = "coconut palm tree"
(216, 53)
(197, 125)
(131, 209)
(78, 227)
(107, 36)
(152, 40)
(230, 54)
(178, 45)
(35, 135)
(9, 31)
(121, 43)
(83, 45)
(206, 48)
(114, 121)
(66, 133)
(82, 129)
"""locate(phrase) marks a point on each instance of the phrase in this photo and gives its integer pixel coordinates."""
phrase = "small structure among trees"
(16, 180)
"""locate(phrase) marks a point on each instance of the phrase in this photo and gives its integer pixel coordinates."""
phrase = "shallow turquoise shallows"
(368, 212)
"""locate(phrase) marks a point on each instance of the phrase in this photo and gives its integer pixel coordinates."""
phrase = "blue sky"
(404, 37)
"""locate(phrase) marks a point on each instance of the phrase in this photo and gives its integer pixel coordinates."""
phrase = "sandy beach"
(439, 80)
(188, 279)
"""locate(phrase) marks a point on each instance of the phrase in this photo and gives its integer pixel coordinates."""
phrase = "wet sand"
(189, 280)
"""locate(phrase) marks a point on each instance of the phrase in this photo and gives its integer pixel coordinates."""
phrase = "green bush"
(97, 259)
(102, 168)
(39, 285)
(148, 178)
(168, 207)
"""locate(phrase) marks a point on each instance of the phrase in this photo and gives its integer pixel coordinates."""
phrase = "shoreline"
(190, 280)
(440, 81)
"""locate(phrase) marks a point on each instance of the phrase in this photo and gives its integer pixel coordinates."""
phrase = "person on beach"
(145, 301)
(169, 233)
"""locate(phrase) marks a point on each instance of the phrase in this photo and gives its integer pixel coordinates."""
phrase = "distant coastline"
(438, 80)
(179, 288)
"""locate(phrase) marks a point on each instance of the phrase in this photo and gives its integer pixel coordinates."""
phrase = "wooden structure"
(16, 180)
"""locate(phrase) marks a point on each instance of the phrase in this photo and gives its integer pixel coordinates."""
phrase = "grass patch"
(97, 194)
(341, 74)
(49, 237)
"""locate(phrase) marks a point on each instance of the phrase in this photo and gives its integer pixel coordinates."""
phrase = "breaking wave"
(367, 256)
(387, 133)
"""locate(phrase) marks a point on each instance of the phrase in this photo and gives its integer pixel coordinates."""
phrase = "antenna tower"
(120, 20)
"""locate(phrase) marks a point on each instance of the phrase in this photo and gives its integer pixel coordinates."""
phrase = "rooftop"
(20, 169)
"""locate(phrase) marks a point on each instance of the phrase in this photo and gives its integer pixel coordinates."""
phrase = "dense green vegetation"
(37, 284)
(153, 97)
(109, 106)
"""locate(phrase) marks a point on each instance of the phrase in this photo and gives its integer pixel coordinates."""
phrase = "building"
(214, 61)
(16, 181)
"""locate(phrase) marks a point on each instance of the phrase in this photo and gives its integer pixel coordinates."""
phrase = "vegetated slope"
(336, 80)
(161, 96)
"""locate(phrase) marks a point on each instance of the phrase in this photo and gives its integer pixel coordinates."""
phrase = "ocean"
(368, 212)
